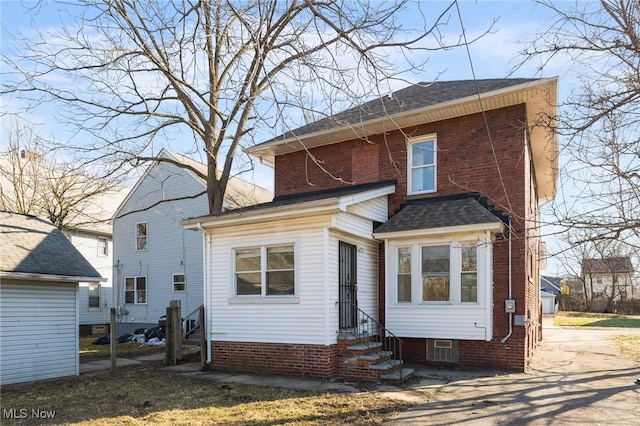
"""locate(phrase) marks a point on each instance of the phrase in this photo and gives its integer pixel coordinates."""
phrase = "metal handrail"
(365, 327)
(187, 321)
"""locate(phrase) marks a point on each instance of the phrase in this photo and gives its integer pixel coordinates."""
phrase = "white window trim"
(484, 253)
(410, 142)
(146, 247)
(94, 308)
(106, 246)
(173, 283)
(263, 297)
(135, 292)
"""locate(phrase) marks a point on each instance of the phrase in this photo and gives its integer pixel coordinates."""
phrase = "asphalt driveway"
(576, 377)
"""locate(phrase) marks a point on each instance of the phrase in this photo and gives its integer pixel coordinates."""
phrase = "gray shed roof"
(33, 246)
(439, 213)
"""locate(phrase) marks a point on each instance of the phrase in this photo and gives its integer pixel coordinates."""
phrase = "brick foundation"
(275, 358)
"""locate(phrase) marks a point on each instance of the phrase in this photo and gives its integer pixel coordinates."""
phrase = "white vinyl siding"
(309, 317)
(39, 331)
(423, 319)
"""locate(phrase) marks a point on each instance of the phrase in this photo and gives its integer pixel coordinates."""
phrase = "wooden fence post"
(177, 329)
(173, 334)
(113, 340)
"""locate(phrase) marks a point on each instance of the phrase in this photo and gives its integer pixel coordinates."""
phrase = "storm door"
(347, 299)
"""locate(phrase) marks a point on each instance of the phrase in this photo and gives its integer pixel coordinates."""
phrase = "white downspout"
(206, 291)
(505, 338)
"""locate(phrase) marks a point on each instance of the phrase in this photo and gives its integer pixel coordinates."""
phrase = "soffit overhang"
(539, 97)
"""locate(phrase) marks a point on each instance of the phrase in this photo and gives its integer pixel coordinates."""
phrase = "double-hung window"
(469, 272)
(404, 274)
(265, 271)
(141, 236)
(94, 296)
(135, 290)
(436, 276)
(179, 282)
(421, 164)
(103, 249)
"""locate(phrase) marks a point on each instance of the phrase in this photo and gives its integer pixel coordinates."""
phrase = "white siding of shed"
(38, 331)
(170, 248)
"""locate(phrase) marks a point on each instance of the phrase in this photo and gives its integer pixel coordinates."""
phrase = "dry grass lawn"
(91, 352)
(151, 395)
(629, 344)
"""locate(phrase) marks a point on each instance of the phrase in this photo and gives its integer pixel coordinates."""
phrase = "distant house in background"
(94, 240)
(609, 278)
(39, 300)
(89, 230)
(156, 260)
(550, 287)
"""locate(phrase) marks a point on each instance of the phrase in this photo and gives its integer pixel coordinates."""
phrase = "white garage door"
(38, 331)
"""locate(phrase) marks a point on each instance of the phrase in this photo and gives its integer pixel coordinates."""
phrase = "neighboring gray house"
(155, 259)
(39, 297)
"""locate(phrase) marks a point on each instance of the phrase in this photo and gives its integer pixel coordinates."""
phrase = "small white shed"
(548, 302)
(39, 274)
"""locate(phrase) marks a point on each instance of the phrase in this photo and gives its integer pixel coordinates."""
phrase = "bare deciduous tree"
(33, 181)
(212, 74)
(599, 121)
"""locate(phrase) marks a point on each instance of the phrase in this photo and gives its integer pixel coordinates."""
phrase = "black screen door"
(347, 299)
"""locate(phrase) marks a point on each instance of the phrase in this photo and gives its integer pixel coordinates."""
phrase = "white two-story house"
(155, 259)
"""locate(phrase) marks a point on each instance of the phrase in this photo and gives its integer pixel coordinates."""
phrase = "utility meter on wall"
(510, 306)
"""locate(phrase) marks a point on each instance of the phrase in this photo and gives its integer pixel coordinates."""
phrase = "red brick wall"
(467, 161)
(275, 358)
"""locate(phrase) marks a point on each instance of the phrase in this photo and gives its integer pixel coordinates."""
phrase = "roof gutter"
(311, 208)
(255, 150)
(30, 276)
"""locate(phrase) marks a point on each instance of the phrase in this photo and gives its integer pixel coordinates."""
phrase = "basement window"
(441, 350)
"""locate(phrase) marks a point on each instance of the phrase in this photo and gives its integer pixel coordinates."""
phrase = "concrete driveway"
(576, 377)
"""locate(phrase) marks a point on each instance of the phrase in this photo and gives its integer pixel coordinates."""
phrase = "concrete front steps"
(364, 358)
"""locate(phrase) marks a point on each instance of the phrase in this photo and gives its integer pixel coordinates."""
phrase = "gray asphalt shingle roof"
(34, 246)
(438, 213)
(420, 95)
